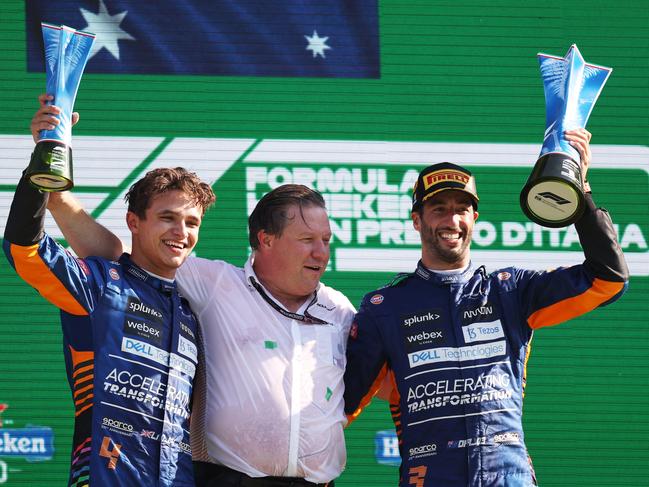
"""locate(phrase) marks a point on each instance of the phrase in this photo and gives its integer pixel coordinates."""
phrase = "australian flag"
(310, 38)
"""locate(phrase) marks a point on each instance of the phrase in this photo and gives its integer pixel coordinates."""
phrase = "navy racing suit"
(130, 347)
(457, 347)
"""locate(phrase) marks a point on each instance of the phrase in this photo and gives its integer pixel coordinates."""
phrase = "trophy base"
(553, 196)
(50, 168)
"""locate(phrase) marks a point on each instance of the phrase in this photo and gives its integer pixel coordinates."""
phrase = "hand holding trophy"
(66, 55)
(554, 195)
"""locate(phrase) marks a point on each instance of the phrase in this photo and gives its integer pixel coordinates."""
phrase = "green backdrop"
(454, 76)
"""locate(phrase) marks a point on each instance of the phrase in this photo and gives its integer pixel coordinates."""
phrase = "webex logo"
(142, 329)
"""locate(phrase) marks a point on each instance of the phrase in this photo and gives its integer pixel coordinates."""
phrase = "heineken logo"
(29, 443)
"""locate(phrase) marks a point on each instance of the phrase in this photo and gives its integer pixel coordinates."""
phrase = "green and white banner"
(367, 187)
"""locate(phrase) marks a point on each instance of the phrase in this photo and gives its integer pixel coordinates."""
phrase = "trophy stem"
(553, 195)
(50, 168)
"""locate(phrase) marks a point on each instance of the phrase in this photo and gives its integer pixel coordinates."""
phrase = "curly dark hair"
(161, 180)
(271, 213)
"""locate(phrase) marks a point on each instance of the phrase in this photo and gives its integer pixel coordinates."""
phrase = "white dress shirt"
(270, 402)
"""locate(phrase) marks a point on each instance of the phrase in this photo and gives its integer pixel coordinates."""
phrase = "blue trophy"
(66, 54)
(554, 195)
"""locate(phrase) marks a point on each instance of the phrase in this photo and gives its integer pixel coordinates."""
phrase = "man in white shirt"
(270, 410)
(275, 341)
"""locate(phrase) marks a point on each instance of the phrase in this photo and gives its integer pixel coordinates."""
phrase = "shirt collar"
(301, 314)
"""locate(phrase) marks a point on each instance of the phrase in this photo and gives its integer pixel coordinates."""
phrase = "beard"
(435, 245)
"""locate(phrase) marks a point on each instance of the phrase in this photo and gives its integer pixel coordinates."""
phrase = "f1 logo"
(417, 476)
(112, 455)
(554, 197)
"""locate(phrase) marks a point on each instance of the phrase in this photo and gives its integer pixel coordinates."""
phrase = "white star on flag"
(317, 44)
(106, 28)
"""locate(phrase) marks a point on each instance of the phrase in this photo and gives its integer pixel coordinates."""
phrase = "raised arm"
(83, 233)
(553, 297)
(604, 257)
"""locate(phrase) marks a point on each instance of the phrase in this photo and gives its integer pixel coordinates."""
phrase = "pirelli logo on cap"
(444, 175)
(440, 177)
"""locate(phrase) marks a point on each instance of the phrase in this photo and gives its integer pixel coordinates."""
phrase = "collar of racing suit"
(130, 268)
(444, 278)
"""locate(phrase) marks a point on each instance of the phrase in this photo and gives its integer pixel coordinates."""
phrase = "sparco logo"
(423, 450)
(509, 437)
(120, 425)
(420, 318)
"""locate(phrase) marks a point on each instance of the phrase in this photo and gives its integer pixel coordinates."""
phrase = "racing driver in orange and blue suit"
(454, 340)
(130, 341)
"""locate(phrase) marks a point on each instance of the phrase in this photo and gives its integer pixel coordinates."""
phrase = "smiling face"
(445, 225)
(290, 265)
(167, 235)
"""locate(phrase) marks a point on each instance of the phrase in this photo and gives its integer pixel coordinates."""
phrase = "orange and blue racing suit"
(457, 347)
(130, 347)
